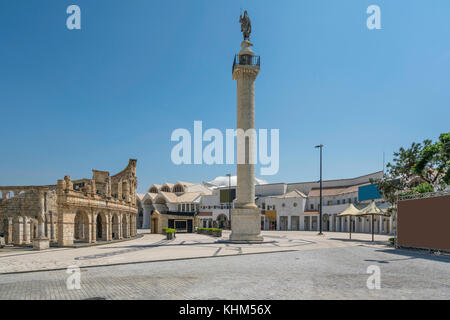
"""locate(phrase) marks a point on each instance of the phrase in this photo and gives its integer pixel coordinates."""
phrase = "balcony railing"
(246, 60)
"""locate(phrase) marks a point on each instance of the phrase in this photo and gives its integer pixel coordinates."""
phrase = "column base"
(246, 225)
(41, 244)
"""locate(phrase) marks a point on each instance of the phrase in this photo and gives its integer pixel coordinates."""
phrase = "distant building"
(284, 206)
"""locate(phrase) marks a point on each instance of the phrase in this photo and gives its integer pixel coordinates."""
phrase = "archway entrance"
(99, 227)
(115, 226)
(81, 227)
(222, 221)
(155, 222)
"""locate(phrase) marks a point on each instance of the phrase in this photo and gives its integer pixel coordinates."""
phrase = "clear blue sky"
(72, 101)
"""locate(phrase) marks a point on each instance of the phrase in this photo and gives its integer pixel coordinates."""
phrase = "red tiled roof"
(335, 191)
(311, 212)
(204, 214)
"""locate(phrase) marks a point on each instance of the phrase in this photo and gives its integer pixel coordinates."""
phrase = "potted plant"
(217, 232)
(170, 233)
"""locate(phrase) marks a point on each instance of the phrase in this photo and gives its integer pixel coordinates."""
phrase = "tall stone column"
(41, 242)
(245, 217)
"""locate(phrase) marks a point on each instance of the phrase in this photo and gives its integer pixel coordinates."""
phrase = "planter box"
(170, 236)
(210, 233)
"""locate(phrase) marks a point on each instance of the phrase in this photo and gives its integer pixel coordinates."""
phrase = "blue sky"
(72, 101)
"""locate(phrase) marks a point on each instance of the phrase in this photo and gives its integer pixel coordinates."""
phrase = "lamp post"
(320, 146)
(229, 197)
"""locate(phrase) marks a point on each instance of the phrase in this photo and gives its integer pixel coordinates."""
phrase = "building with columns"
(86, 210)
(283, 206)
(171, 206)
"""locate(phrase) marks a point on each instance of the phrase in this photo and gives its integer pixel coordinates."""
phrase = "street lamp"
(320, 146)
(229, 197)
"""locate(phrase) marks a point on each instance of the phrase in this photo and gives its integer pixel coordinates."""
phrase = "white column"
(310, 223)
(289, 227)
(363, 224)
(380, 226)
(390, 225)
(146, 217)
(331, 222)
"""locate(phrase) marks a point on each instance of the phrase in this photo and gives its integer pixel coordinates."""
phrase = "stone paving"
(326, 273)
(154, 247)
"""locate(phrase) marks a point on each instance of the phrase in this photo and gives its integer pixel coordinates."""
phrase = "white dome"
(223, 181)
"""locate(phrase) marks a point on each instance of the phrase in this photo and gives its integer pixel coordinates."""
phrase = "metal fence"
(246, 60)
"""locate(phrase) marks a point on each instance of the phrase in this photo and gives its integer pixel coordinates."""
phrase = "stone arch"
(115, 226)
(125, 223)
(101, 228)
(222, 221)
(155, 222)
(160, 204)
(81, 227)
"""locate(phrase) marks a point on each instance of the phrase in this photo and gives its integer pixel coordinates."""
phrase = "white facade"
(296, 205)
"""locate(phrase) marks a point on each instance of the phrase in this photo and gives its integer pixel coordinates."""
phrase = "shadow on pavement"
(410, 255)
(361, 241)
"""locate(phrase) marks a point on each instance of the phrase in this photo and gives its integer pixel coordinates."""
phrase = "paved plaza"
(296, 265)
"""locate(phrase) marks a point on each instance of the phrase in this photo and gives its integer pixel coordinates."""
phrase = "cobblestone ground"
(327, 273)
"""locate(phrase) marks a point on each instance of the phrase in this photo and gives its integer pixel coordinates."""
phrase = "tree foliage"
(423, 167)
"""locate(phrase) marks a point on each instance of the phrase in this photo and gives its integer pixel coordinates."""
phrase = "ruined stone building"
(102, 208)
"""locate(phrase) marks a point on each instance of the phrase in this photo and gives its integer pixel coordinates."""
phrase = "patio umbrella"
(351, 211)
(372, 210)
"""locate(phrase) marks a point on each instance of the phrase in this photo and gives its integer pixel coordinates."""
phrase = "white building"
(284, 206)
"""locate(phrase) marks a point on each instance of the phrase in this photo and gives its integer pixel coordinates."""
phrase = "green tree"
(427, 161)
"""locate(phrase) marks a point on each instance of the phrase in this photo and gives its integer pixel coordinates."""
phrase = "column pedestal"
(245, 225)
(41, 244)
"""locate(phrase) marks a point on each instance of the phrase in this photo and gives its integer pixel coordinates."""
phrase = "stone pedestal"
(41, 244)
(246, 225)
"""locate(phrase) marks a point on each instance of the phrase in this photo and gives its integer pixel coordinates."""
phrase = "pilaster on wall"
(18, 231)
(66, 220)
(27, 234)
